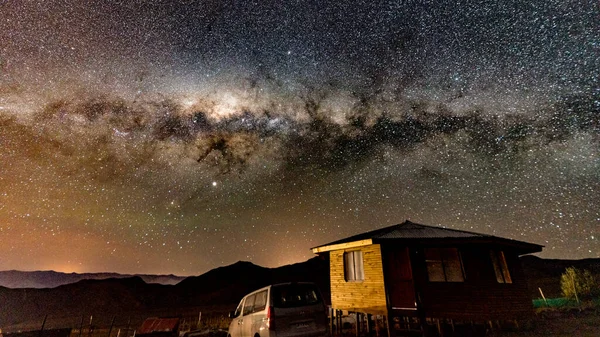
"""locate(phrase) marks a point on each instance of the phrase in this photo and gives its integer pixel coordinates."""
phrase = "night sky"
(179, 136)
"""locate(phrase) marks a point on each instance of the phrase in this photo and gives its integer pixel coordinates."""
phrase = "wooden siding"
(361, 296)
(480, 297)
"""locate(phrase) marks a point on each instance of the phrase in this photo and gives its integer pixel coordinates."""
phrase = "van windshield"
(295, 295)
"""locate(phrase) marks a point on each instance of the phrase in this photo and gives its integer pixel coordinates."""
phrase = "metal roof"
(413, 231)
(155, 324)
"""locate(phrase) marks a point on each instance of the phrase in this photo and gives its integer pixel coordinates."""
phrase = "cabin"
(429, 281)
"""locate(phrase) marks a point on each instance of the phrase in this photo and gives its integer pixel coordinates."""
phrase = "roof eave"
(345, 245)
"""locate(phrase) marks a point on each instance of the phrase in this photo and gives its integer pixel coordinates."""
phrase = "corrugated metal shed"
(155, 325)
(413, 231)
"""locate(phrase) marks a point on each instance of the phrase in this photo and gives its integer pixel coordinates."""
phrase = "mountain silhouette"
(131, 299)
(52, 279)
(222, 287)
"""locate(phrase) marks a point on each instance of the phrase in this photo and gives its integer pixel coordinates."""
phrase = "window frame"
(500, 266)
(444, 264)
(248, 305)
(355, 259)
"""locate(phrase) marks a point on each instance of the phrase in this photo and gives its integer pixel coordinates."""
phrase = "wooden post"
(439, 327)
(368, 327)
(81, 325)
(128, 326)
(331, 320)
(90, 329)
(390, 324)
(574, 288)
(111, 325)
(338, 320)
(43, 324)
(544, 297)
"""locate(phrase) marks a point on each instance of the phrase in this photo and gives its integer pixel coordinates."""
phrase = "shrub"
(578, 283)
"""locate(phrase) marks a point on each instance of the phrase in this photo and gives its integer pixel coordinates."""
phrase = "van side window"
(261, 301)
(238, 310)
(249, 304)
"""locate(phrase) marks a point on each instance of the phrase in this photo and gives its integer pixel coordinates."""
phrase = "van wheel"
(256, 335)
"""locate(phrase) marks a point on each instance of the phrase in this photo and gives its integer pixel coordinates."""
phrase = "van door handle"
(240, 321)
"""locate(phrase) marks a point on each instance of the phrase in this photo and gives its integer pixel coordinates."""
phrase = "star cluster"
(178, 136)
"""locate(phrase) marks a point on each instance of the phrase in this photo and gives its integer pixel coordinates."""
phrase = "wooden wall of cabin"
(367, 296)
(480, 296)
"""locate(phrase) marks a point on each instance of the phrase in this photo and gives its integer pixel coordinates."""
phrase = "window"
(261, 301)
(249, 304)
(295, 295)
(500, 266)
(444, 265)
(353, 266)
(238, 310)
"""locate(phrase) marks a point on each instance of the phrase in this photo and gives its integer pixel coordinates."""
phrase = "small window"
(249, 304)
(444, 265)
(260, 302)
(353, 266)
(500, 266)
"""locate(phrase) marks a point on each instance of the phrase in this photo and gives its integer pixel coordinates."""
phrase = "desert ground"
(558, 322)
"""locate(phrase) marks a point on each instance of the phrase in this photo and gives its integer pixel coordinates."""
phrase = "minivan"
(281, 310)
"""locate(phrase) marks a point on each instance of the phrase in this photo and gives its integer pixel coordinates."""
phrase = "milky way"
(179, 136)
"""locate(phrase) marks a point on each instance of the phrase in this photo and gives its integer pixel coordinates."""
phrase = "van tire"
(256, 335)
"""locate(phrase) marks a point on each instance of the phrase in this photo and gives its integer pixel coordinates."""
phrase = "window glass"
(444, 265)
(435, 268)
(249, 304)
(261, 301)
(354, 266)
(238, 310)
(295, 295)
(505, 272)
(452, 265)
(348, 266)
(500, 267)
(359, 266)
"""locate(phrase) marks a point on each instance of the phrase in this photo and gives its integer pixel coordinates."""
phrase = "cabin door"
(400, 286)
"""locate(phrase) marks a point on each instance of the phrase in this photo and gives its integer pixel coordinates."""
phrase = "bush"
(578, 283)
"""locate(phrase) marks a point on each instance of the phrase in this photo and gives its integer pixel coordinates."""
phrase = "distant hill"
(222, 287)
(545, 273)
(52, 279)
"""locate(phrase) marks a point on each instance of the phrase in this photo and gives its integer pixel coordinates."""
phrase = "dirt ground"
(569, 323)
(547, 322)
